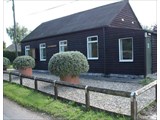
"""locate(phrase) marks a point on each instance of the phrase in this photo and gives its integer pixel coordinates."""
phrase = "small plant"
(23, 62)
(146, 81)
(6, 63)
(68, 64)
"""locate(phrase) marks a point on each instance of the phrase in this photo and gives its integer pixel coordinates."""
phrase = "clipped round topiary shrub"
(24, 64)
(68, 64)
(6, 63)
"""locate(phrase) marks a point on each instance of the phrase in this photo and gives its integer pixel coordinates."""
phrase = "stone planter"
(26, 71)
(70, 79)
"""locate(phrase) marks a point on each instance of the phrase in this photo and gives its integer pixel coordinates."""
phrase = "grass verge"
(146, 81)
(38, 101)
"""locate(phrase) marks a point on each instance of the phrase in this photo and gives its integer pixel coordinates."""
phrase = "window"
(27, 50)
(92, 47)
(126, 50)
(42, 48)
(63, 46)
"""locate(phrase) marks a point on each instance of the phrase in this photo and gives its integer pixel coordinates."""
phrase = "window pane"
(94, 50)
(27, 50)
(63, 46)
(61, 43)
(89, 50)
(62, 49)
(127, 49)
(42, 51)
(92, 39)
(65, 42)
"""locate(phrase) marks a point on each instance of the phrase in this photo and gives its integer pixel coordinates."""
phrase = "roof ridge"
(85, 11)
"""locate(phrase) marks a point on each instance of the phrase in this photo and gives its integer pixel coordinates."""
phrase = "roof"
(12, 48)
(93, 18)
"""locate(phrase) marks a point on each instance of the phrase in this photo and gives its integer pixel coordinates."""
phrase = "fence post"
(133, 106)
(10, 78)
(156, 92)
(87, 97)
(20, 76)
(55, 90)
(35, 84)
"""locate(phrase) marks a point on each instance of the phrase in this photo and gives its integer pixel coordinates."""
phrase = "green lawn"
(37, 101)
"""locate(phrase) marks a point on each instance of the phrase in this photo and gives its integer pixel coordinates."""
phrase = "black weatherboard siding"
(154, 52)
(108, 64)
(112, 52)
(76, 41)
(126, 19)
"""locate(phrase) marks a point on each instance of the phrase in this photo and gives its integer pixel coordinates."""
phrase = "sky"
(32, 13)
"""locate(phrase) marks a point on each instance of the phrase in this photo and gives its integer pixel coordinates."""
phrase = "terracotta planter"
(70, 79)
(26, 71)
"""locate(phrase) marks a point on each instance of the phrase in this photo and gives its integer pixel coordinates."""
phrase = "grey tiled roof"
(97, 17)
(12, 47)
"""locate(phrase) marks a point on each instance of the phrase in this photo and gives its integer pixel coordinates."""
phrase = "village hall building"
(110, 36)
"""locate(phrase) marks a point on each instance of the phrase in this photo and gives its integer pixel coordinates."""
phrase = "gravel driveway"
(108, 102)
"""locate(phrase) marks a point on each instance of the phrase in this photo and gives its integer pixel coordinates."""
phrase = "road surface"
(13, 111)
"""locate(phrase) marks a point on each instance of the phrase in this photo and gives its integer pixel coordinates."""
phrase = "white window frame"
(41, 47)
(62, 45)
(121, 53)
(89, 42)
(27, 49)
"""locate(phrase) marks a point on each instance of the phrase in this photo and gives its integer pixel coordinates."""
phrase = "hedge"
(10, 55)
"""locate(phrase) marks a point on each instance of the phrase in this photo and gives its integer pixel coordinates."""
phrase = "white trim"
(126, 60)
(27, 49)
(120, 50)
(62, 45)
(96, 41)
(40, 47)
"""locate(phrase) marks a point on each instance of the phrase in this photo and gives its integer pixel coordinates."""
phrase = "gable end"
(126, 19)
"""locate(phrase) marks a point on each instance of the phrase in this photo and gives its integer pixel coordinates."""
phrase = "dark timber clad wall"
(128, 15)
(112, 52)
(76, 41)
(154, 53)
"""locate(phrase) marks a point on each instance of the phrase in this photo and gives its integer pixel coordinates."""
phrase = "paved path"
(13, 111)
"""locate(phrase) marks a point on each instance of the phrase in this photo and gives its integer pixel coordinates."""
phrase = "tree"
(155, 28)
(21, 32)
(150, 28)
(145, 27)
(4, 45)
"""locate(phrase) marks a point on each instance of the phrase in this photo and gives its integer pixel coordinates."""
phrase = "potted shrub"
(24, 64)
(68, 66)
(6, 63)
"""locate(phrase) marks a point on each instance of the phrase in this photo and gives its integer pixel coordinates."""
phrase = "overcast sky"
(32, 13)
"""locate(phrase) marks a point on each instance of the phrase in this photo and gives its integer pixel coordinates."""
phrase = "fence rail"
(87, 89)
(145, 88)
